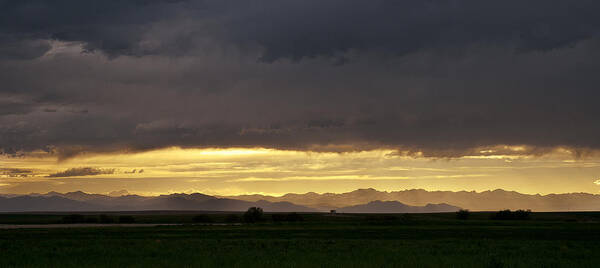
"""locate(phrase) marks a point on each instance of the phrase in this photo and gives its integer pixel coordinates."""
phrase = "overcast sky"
(425, 78)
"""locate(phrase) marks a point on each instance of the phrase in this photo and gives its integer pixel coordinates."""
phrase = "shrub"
(253, 214)
(510, 215)
(522, 214)
(502, 215)
(232, 218)
(462, 214)
(294, 217)
(278, 217)
(73, 218)
(380, 218)
(126, 219)
(91, 220)
(106, 219)
(202, 218)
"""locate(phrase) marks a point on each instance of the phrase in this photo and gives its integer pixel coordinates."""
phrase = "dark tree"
(503, 215)
(510, 215)
(463, 214)
(522, 214)
(253, 214)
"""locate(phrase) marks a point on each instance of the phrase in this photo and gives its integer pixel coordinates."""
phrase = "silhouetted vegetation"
(463, 214)
(126, 219)
(512, 215)
(73, 218)
(106, 219)
(406, 217)
(202, 219)
(232, 218)
(91, 219)
(253, 214)
(294, 217)
(291, 217)
(278, 217)
(381, 218)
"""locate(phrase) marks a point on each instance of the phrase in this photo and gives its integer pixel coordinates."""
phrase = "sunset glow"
(256, 170)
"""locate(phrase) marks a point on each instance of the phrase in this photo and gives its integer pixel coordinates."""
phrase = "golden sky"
(275, 172)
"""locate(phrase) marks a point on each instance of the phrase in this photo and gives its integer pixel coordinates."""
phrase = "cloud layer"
(442, 77)
(80, 172)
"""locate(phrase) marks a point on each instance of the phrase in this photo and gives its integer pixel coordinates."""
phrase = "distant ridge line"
(309, 202)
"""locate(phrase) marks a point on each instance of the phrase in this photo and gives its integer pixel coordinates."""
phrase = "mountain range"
(475, 201)
(358, 201)
(395, 207)
(80, 201)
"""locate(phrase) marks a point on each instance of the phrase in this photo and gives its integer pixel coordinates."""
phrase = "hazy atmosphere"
(235, 97)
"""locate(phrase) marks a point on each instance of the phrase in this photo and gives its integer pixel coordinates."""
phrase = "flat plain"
(311, 240)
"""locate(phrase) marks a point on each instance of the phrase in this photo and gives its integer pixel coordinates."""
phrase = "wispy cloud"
(15, 172)
(357, 178)
(597, 182)
(83, 171)
(134, 171)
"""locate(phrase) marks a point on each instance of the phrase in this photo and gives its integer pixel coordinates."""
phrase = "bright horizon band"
(236, 171)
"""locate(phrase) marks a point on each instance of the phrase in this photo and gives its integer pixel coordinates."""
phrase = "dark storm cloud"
(444, 77)
(115, 27)
(83, 171)
(22, 49)
(13, 107)
(297, 29)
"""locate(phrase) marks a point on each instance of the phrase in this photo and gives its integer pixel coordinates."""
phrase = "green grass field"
(320, 240)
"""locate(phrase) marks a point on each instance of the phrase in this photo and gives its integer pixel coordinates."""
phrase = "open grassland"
(415, 240)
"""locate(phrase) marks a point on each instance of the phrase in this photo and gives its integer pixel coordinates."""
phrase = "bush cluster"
(76, 218)
(511, 215)
(292, 217)
(126, 219)
(253, 214)
(202, 219)
(380, 218)
(463, 214)
(103, 218)
(106, 219)
(232, 218)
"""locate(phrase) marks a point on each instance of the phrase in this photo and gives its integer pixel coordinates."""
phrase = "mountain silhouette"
(475, 201)
(397, 207)
(80, 201)
(361, 200)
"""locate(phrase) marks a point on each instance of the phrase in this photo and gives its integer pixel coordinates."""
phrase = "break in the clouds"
(439, 77)
(80, 172)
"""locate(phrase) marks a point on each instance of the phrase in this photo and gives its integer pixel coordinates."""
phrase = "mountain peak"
(379, 206)
(118, 193)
